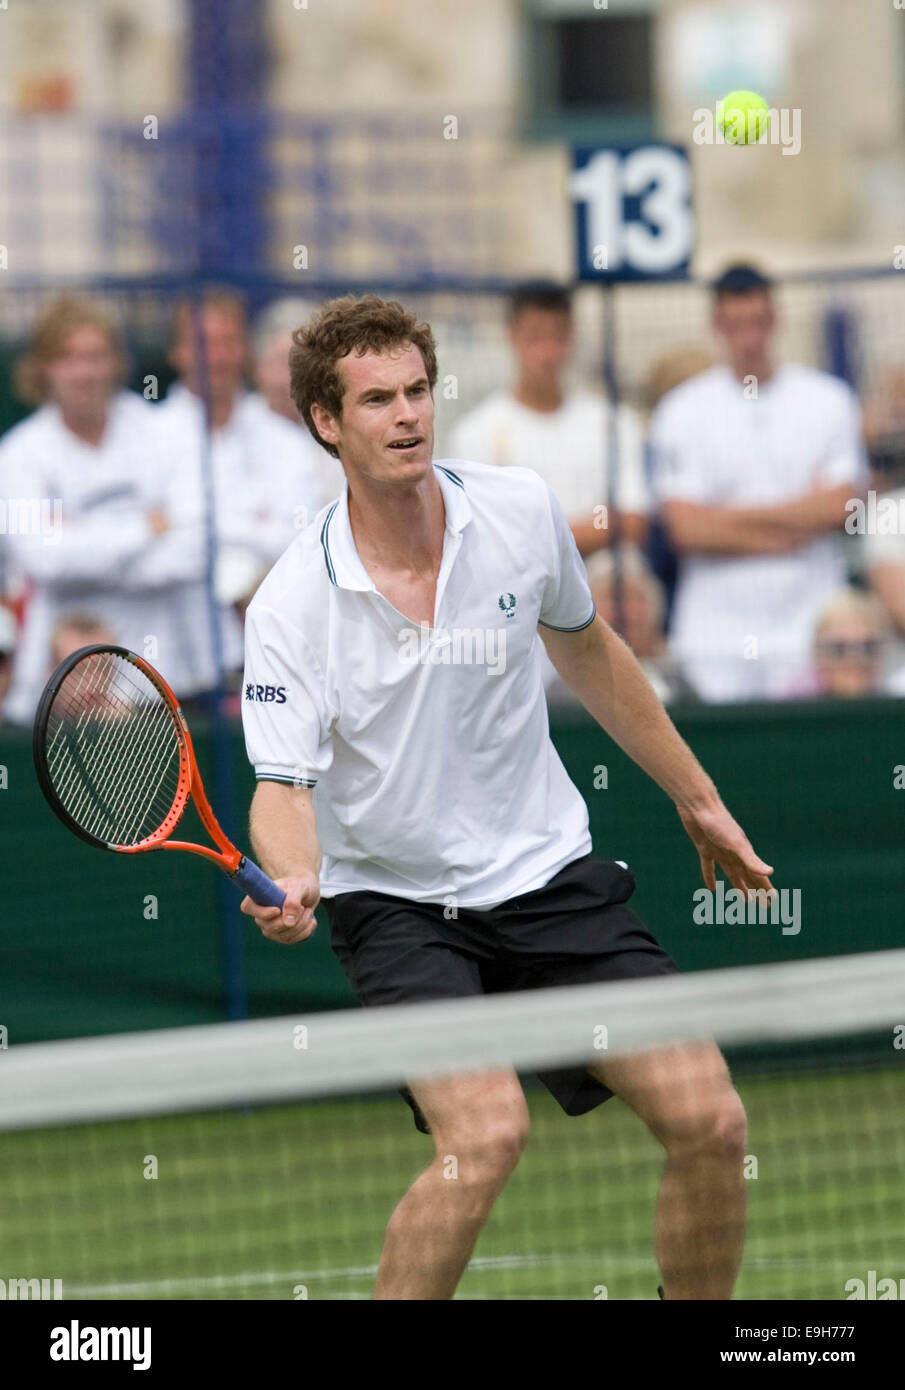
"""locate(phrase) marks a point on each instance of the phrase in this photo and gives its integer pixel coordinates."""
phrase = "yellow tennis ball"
(743, 118)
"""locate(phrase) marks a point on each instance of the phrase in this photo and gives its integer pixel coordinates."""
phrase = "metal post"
(227, 67)
(613, 491)
(232, 939)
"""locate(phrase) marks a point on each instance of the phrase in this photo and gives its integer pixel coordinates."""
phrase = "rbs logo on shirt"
(266, 694)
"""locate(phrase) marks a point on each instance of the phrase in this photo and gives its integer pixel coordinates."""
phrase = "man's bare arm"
(722, 531)
(589, 536)
(821, 510)
(773, 530)
(606, 677)
(284, 838)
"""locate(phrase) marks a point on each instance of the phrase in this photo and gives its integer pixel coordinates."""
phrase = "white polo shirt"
(429, 749)
(567, 447)
(743, 624)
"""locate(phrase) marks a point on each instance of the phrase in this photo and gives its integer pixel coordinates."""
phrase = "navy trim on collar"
(326, 543)
(344, 544)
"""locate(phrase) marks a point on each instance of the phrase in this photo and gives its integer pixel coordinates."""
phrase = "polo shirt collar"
(338, 544)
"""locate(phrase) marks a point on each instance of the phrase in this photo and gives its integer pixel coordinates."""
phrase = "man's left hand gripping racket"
(115, 760)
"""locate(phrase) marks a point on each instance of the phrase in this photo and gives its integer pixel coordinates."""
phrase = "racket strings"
(119, 762)
(113, 750)
(93, 747)
(92, 796)
(149, 752)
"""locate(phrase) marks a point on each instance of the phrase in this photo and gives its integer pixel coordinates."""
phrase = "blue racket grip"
(253, 881)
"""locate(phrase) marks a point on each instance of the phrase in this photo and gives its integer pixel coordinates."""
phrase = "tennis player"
(392, 663)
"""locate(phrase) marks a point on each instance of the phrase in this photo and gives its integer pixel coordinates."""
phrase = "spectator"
(74, 631)
(754, 463)
(883, 561)
(272, 340)
(89, 496)
(882, 547)
(265, 478)
(849, 644)
(642, 603)
(884, 429)
(562, 434)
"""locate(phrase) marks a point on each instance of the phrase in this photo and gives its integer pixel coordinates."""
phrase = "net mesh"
(112, 750)
(263, 1160)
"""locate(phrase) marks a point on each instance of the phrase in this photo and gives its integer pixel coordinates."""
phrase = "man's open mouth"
(402, 444)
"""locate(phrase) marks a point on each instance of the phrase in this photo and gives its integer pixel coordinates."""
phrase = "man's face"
(225, 350)
(386, 429)
(745, 322)
(82, 378)
(542, 342)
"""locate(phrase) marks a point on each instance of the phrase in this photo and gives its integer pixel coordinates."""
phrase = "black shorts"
(575, 930)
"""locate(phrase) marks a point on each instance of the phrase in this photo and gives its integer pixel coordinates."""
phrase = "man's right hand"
(295, 921)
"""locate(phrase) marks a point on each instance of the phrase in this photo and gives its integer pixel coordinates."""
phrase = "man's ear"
(325, 424)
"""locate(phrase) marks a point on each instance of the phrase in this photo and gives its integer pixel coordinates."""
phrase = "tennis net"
(262, 1160)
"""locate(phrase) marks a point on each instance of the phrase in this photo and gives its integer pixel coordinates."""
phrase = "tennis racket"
(114, 759)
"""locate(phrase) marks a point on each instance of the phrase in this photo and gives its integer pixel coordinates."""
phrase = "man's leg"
(685, 1097)
(479, 1124)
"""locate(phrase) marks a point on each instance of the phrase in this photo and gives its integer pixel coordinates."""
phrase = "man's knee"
(480, 1132)
(715, 1123)
(489, 1146)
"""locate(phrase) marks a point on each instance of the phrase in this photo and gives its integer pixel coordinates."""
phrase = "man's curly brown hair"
(344, 326)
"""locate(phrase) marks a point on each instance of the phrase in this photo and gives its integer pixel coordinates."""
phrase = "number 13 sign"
(633, 214)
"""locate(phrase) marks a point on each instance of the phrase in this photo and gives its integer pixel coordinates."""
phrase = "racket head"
(111, 750)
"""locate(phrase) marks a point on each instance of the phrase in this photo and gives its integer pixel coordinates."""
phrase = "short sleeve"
(284, 717)
(844, 458)
(567, 602)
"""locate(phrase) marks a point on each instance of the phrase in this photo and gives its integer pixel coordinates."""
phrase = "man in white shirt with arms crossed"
(755, 464)
(436, 778)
